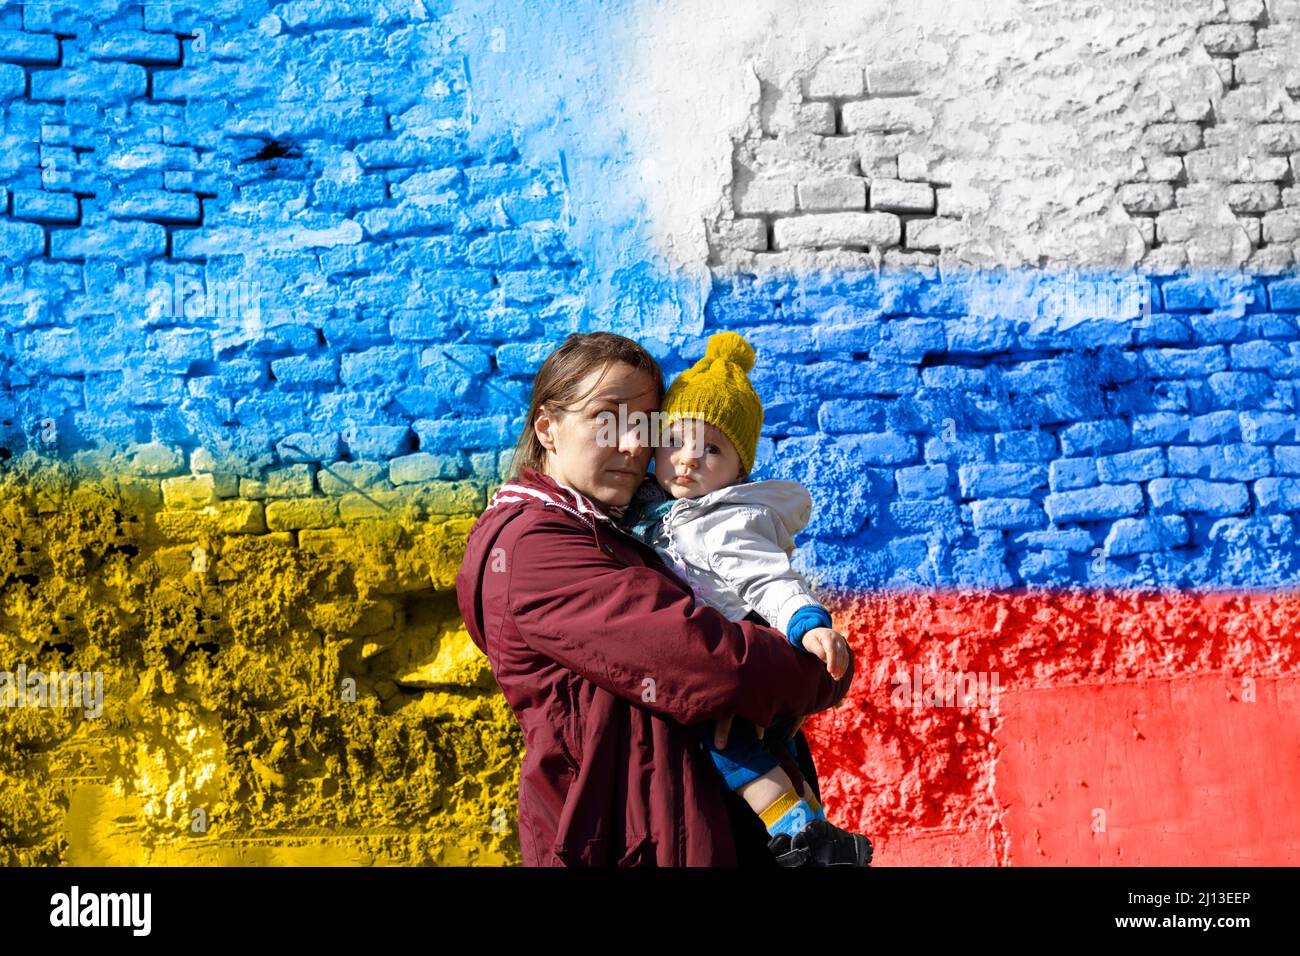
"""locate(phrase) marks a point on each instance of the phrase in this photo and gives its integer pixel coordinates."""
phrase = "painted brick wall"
(1162, 138)
(266, 303)
(1001, 431)
(275, 280)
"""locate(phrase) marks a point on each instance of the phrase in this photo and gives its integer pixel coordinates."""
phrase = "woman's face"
(594, 447)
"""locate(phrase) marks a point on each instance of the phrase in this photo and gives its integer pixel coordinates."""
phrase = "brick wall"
(1000, 430)
(1154, 138)
(267, 305)
(274, 279)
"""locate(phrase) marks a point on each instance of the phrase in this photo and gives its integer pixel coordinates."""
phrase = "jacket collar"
(787, 500)
(533, 485)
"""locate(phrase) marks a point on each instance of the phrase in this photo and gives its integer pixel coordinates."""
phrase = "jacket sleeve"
(639, 634)
(742, 548)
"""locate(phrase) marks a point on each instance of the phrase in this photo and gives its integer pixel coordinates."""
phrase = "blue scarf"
(644, 516)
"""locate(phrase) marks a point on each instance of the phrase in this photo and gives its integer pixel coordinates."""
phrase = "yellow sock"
(778, 807)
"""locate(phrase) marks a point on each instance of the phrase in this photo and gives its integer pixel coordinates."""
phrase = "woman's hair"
(557, 381)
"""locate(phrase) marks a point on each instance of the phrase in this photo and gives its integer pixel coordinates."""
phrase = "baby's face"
(694, 459)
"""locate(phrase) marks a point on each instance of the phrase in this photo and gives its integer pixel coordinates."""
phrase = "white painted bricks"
(836, 229)
(895, 78)
(1146, 197)
(935, 233)
(817, 118)
(766, 196)
(913, 166)
(840, 193)
(885, 116)
(1153, 162)
(1253, 197)
(1173, 137)
(1278, 138)
(748, 234)
(896, 196)
(836, 80)
(1245, 11)
(1224, 38)
(1226, 164)
(1164, 169)
(1283, 10)
(1282, 225)
(957, 201)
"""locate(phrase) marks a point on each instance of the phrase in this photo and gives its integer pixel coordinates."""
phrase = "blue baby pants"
(746, 757)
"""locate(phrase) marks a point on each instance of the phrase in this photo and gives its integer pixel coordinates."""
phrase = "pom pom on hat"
(730, 347)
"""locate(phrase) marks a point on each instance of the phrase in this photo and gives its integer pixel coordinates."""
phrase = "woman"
(601, 651)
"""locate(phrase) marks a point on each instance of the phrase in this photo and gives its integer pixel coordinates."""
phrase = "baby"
(731, 539)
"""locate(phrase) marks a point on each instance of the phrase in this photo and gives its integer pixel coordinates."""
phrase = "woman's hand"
(831, 647)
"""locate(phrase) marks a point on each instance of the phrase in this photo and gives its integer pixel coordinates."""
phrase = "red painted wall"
(1129, 729)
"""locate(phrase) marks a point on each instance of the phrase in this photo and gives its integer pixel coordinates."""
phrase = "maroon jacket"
(605, 658)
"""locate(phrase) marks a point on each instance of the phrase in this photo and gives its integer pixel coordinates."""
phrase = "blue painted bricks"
(1162, 456)
(281, 234)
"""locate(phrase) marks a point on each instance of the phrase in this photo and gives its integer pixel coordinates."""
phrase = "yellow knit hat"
(717, 390)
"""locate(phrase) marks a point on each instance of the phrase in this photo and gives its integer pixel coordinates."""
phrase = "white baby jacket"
(734, 545)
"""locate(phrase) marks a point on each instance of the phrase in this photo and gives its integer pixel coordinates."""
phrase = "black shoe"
(821, 843)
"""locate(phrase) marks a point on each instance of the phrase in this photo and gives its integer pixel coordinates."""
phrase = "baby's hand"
(831, 647)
